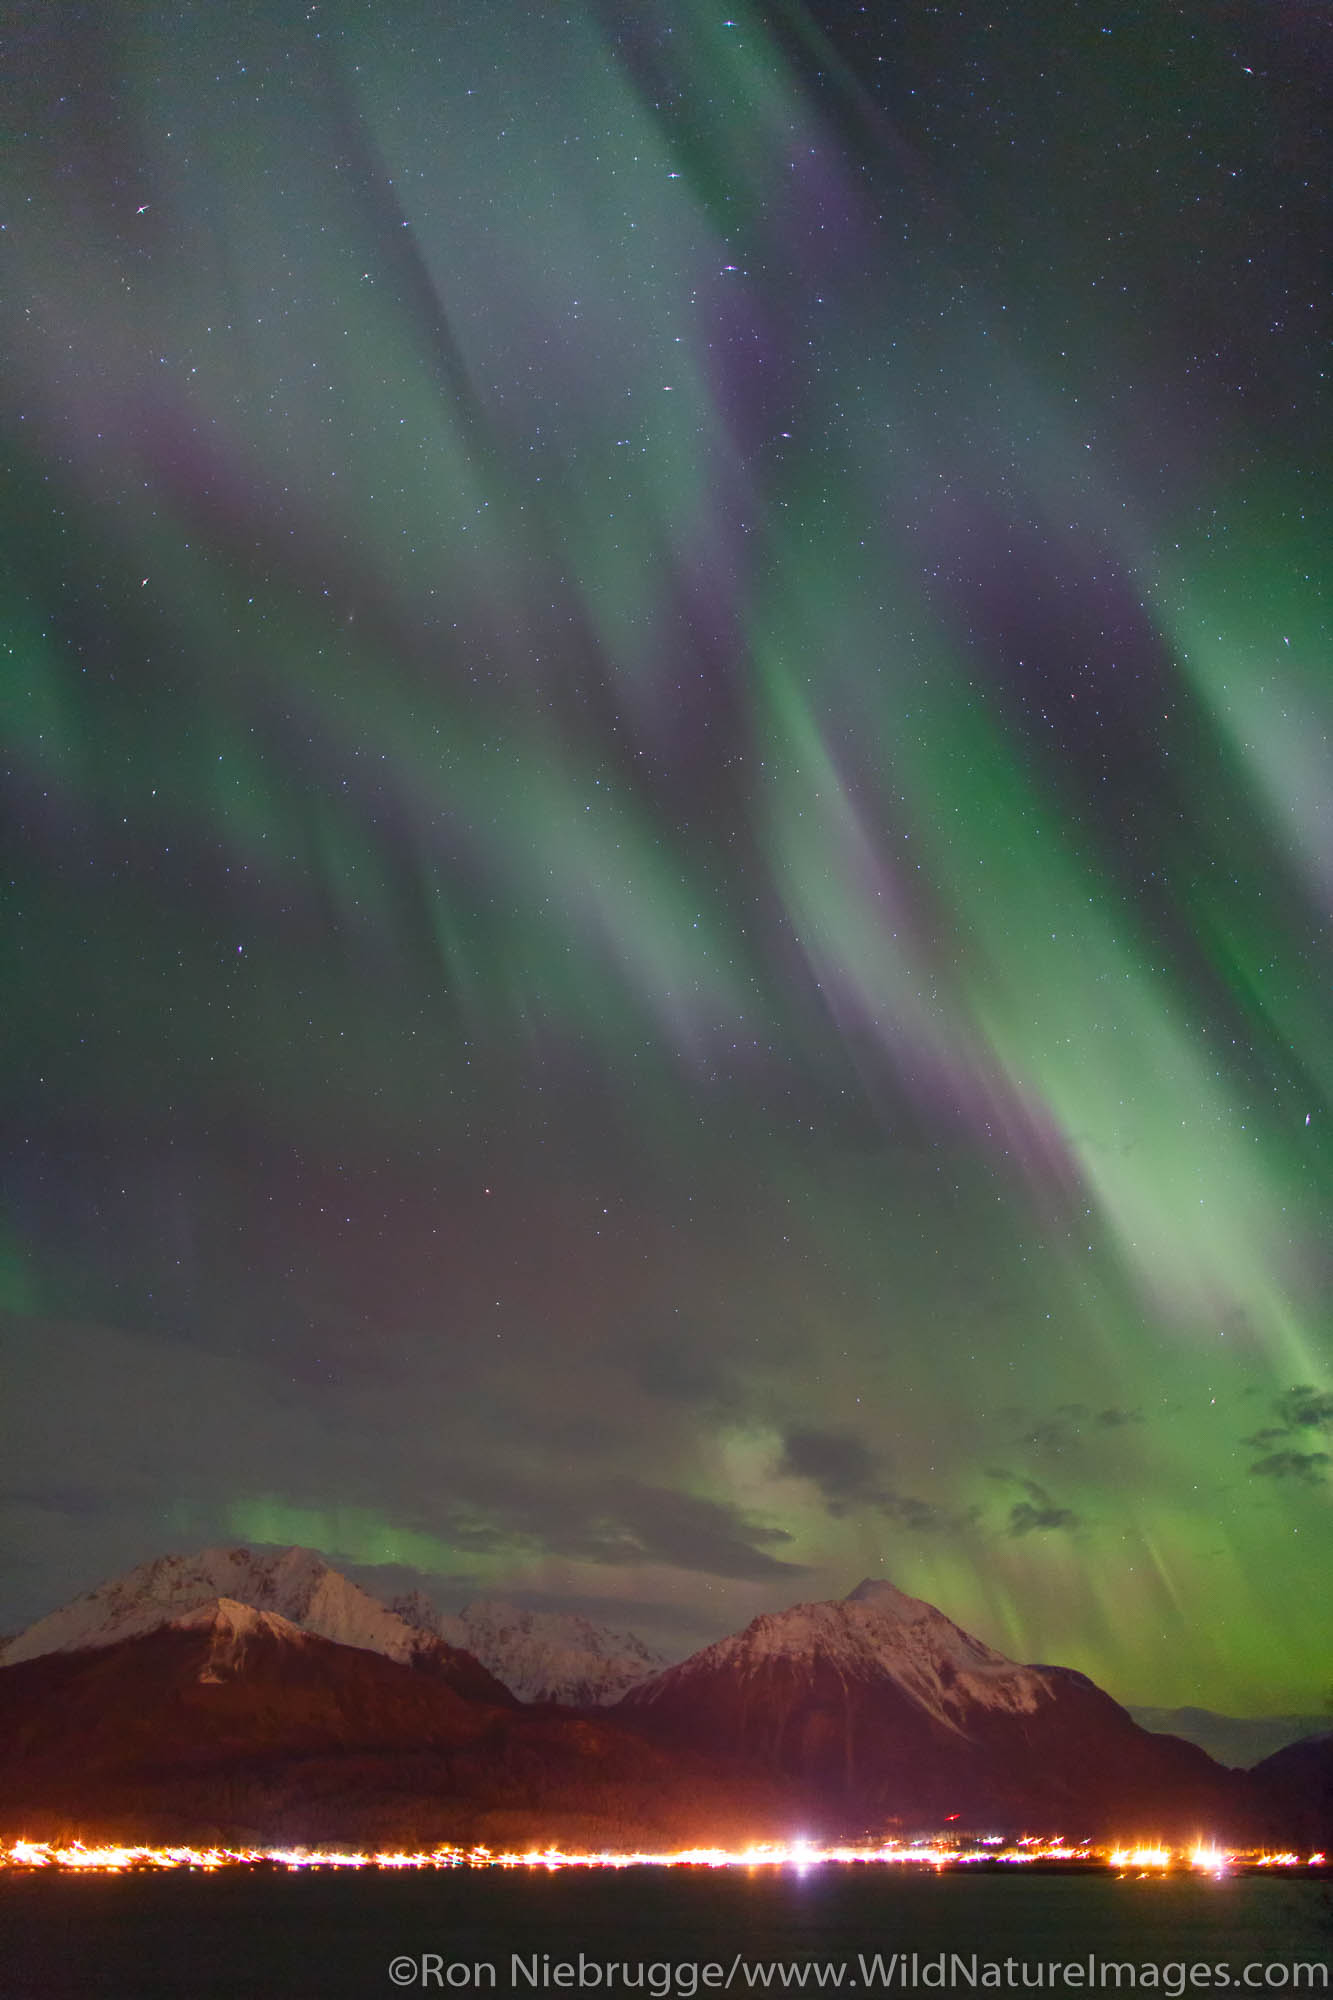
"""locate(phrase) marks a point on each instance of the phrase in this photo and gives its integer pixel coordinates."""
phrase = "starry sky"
(668, 812)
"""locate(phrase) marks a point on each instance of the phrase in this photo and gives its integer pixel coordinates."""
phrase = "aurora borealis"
(669, 815)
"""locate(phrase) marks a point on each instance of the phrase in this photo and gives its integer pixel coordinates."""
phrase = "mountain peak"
(231, 1626)
(886, 1596)
(294, 1584)
(228, 1614)
(491, 1652)
(416, 1610)
(880, 1701)
(875, 1635)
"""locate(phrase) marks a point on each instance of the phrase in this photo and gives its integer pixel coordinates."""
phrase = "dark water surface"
(238, 1934)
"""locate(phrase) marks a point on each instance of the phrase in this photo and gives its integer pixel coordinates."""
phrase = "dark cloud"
(1038, 1514)
(848, 1476)
(1307, 1465)
(1304, 1407)
(1300, 1409)
(610, 1521)
(840, 1464)
(642, 1523)
(1025, 1519)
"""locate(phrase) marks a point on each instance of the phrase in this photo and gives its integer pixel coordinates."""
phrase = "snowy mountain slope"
(552, 1656)
(539, 1656)
(295, 1584)
(230, 1627)
(877, 1633)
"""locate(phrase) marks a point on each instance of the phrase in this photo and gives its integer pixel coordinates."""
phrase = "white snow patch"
(552, 1655)
(233, 1626)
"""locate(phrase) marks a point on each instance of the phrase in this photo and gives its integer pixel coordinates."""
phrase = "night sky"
(668, 812)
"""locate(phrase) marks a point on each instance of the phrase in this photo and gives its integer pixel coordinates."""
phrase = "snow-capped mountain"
(295, 1584)
(883, 1703)
(877, 1633)
(552, 1656)
(228, 1723)
(538, 1656)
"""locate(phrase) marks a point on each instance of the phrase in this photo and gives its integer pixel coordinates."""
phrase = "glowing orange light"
(935, 1852)
(1141, 1857)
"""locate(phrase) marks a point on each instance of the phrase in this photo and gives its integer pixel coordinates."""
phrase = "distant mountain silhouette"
(1297, 1784)
(1237, 1740)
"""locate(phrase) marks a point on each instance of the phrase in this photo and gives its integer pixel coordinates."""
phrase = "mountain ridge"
(551, 1656)
(294, 1583)
(516, 1654)
(1241, 1741)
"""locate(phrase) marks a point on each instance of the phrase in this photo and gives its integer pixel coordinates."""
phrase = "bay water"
(682, 1932)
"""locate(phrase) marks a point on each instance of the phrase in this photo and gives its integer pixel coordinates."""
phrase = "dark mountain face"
(1296, 1784)
(248, 1731)
(462, 1672)
(193, 1694)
